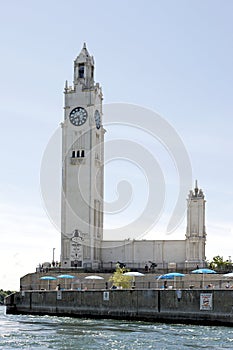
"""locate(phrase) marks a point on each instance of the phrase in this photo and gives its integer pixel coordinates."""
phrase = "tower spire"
(66, 86)
(84, 51)
(196, 188)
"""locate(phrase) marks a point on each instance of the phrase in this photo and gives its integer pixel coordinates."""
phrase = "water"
(46, 332)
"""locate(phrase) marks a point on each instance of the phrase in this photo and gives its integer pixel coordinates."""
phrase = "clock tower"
(82, 168)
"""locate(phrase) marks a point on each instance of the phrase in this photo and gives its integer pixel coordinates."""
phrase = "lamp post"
(53, 262)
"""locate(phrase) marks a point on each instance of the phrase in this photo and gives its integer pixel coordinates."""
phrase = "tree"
(220, 264)
(3, 294)
(119, 279)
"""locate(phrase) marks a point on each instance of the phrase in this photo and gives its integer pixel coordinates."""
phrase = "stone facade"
(138, 253)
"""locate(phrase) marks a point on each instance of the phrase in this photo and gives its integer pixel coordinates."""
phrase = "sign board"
(206, 301)
(106, 296)
(59, 295)
(179, 294)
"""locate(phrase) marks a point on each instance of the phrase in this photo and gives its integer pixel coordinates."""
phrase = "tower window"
(78, 154)
(81, 70)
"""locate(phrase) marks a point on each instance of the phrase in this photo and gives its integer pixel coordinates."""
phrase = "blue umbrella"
(170, 276)
(65, 277)
(48, 278)
(205, 271)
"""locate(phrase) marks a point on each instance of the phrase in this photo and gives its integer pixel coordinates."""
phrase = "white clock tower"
(82, 168)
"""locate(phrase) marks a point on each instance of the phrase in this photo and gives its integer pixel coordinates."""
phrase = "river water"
(49, 332)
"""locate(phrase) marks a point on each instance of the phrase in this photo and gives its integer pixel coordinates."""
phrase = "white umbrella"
(93, 278)
(134, 274)
(229, 275)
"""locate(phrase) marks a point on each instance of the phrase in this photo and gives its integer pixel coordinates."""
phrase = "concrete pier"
(209, 307)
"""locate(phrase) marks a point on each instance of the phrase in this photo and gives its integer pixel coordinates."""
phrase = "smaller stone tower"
(196, 232)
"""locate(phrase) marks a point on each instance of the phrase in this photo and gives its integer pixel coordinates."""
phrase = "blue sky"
(174, 57)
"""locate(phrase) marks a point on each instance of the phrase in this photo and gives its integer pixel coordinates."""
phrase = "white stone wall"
(143, 251)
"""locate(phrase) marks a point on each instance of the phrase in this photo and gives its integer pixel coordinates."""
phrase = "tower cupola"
(84, 69)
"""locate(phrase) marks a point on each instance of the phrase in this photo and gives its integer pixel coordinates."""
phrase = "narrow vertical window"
(78, 154)
(82, 154)
(73, 154)
(81, 70)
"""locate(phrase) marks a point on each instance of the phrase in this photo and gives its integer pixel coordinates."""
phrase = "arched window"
(82, 154)
(78, 154)
(73, 154)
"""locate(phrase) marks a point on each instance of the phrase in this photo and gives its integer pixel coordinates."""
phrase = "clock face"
(78, 116)
(76, 239)
(97, 119)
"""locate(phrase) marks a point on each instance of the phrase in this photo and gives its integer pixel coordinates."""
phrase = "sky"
(171, 57)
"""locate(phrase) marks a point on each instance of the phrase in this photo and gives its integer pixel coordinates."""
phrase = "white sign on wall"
(59, 295)
(106, 296)
(206, 301)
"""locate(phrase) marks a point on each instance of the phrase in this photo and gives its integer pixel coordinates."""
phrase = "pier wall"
(185, 306)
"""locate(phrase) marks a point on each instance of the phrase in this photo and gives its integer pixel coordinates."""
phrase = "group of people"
(228, 285)
(45, 267)
(151, 267)
(147, 268)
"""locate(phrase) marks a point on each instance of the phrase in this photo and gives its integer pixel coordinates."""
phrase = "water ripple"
(50, 332)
